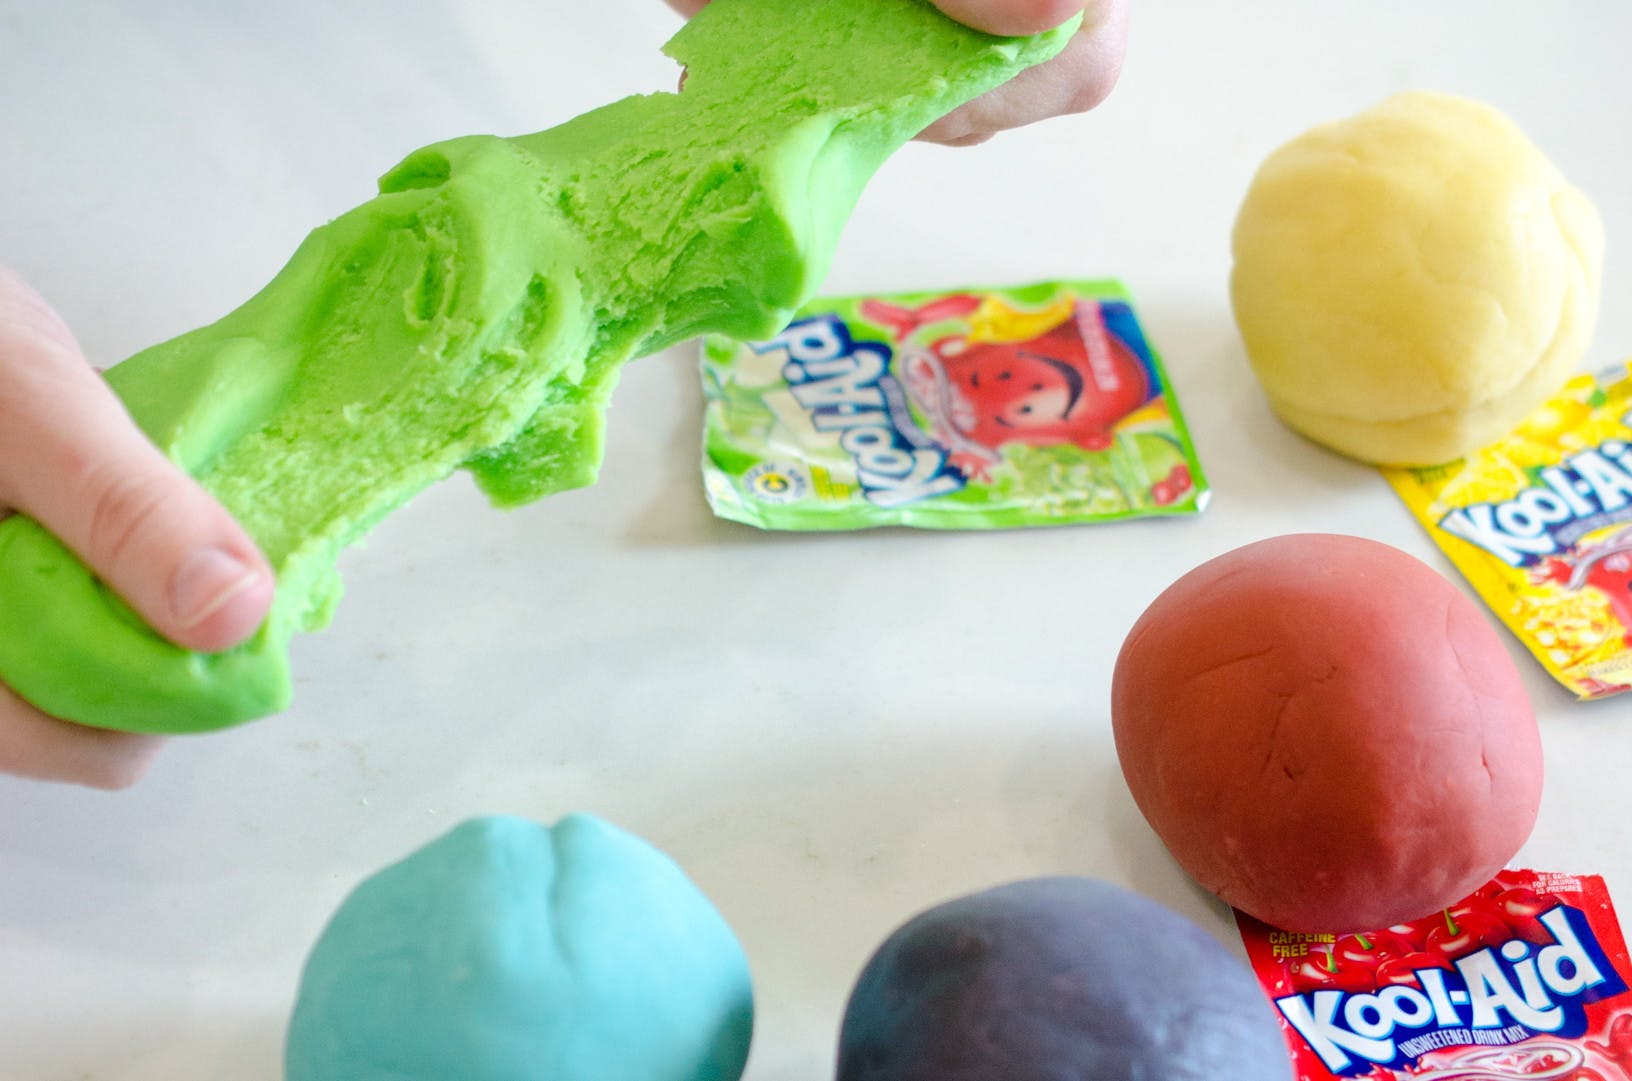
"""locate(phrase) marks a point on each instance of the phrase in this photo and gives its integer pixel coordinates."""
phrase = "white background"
(828, 732)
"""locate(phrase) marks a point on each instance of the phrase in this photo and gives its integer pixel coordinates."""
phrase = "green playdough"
(475, 315)
(508, 951)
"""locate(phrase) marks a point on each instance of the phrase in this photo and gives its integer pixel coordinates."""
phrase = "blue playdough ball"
(508, 951)
(1058, 978)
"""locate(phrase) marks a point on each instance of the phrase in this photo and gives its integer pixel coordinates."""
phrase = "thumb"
(1014, 18)
(71, 457)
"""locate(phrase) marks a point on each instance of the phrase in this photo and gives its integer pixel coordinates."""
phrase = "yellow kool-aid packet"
(1541, 525)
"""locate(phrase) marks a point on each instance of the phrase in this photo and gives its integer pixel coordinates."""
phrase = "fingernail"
(205, 583)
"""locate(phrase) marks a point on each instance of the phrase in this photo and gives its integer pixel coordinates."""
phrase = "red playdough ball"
(1326, 733)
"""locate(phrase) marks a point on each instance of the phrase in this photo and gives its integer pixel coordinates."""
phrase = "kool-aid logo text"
(1587, 491)
(846, 388)
(1496, 996)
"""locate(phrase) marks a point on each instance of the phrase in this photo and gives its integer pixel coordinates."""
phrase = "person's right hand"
(71, 458)
(1075, 81)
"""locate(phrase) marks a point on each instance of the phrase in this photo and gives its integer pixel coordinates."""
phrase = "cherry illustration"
(1322, 970)
(1521, 908)
(1467, 929)
(1619, 1048)
(1414, 935)
(1404, 968)
(1373, 948)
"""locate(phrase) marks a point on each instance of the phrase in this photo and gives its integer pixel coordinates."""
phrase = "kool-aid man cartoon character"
(1041, 378)
(1605, 566)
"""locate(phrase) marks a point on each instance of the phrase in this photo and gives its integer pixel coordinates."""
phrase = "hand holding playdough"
(1412, 281)
(474, 315)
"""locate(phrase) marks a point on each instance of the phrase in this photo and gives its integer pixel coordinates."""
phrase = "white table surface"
(828, 732)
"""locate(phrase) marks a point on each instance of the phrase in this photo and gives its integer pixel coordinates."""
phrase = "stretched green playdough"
(475, 314)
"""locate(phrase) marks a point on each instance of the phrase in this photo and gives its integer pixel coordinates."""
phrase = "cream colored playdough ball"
(1412, 281)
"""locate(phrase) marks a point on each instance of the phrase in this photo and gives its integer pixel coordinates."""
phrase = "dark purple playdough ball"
(1058, 979)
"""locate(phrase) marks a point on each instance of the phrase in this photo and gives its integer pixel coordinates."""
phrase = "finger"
(34, 745)
(71, 458)
(1076, 80)
(1006, 18)
(1011, 18)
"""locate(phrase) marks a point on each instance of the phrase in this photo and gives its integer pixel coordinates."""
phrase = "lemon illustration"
(998, 321)
(1552, 420)
(1485, 478)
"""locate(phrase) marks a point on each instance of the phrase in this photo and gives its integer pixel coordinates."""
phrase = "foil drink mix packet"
(1540, 523)
(977, 409)
(1524, 979)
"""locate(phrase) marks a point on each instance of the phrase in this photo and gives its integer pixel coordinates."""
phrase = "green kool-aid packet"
(988, 408)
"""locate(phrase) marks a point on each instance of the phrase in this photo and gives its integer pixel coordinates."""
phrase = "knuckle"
(946, 131)
(27, 320)
(115, 773)
(121, 508)
(1048, 13)
(1085, 96)
(1089, 77)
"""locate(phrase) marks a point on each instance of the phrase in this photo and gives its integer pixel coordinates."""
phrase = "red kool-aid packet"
(1527, 978)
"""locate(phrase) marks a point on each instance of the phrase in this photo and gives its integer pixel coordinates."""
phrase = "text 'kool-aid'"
(1525, 978)
(1038, 405)
(1541, 525)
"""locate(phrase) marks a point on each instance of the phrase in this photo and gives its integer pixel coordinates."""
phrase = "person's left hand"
(1076, 80)
(71, 457)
